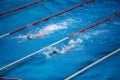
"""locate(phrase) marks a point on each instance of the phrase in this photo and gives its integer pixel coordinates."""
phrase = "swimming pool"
(90, 45)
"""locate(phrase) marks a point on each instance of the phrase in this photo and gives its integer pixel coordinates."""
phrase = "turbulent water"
(75, 53)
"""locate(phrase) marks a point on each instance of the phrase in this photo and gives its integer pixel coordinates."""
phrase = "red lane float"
(45, 19)
(22, 7)
(4, 78)
(57, 42)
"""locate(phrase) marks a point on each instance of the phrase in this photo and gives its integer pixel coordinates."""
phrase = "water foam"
(51, 28)
(93, 33)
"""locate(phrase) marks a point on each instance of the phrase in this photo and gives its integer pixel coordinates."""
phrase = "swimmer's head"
(56, 51)
(30, 37)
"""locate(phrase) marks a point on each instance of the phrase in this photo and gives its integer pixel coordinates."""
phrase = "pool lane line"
(92, 64)
(45, 19)
(59, 41)
(22, 7)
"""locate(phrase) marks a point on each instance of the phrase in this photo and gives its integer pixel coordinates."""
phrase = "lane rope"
(91, 65)
(68, 37)
(5, 78)
(22, 7)
(45, 19)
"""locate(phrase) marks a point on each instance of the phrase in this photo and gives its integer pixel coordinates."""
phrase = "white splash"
(94, 33)
(51, 28)
(47, 54)
(67, 48)
(99, 32)
(79, 40)
(71, 44)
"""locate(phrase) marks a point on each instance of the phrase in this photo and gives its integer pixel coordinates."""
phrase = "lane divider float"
(68, 37)
(22, 7)
(4, 78)
(45, 19)
(91, 65)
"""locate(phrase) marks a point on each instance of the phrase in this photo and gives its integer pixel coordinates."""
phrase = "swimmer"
(35, 36)
(63, 50)
(54, 50)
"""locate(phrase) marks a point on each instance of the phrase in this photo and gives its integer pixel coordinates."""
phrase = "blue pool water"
(89, 46)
